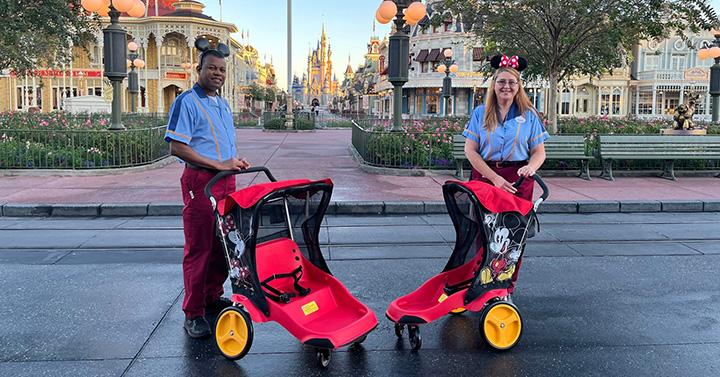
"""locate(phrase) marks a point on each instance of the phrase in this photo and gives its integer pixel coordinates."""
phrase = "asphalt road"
(619, 294)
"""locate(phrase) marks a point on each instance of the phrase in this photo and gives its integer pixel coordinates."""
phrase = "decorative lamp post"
(448, 66)
(713, 51)
(114, 39)
(133, 86)
(399, 48)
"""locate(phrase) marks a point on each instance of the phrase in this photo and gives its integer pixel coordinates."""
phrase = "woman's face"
(506, 86)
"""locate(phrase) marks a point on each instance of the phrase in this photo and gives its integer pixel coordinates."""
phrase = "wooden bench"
(569, 147)
(667, 148)
(557, 147)
(458, 154)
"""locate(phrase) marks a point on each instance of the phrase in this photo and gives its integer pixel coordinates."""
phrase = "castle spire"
(324, 37)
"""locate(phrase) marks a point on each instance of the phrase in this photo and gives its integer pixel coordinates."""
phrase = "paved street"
(604, 294)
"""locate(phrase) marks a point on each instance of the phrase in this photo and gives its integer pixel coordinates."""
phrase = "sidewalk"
(324, 154)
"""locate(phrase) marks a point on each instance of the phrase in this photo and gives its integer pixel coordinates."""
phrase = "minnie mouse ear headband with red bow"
(203, 45)
(500, 61)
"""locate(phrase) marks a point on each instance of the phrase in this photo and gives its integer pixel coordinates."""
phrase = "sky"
(348, 26)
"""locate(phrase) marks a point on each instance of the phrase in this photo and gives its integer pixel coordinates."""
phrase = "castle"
(319, 84)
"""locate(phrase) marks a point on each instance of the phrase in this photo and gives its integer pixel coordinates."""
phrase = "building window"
(29, 96)
(652, 62)
(419, 104)
(424, 67)
(565, 102)
(677, 62)
(605, 102)
(432, 104)
(616, 102)
(95, 57)
(448, 26)
(645, 103)
(171, 52)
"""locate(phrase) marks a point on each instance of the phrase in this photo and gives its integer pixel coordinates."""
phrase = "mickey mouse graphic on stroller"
(491, 228)
(277, 270)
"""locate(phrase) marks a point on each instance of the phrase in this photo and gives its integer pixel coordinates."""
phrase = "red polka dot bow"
(509, 61)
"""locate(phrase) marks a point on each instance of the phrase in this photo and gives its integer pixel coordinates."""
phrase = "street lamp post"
(448, 66)
(114, 39)
(399, 47)
(713, 51)
(133, 87)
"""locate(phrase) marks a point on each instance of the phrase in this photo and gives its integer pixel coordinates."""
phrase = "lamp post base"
(116, 124)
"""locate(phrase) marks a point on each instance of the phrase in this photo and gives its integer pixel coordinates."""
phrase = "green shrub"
(303, 124)
(275, 124)
(339, 123)
(79, 141)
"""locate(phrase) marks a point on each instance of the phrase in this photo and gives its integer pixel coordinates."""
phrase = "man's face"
(211, 76)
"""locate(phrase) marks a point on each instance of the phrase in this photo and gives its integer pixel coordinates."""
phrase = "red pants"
(204, 267)
(525, 191)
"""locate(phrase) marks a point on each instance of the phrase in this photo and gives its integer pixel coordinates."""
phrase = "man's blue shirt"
(206, 126)
(511, 140)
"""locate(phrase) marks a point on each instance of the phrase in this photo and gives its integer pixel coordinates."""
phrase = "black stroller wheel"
(323, 357)
(399, 329)
(415, 338)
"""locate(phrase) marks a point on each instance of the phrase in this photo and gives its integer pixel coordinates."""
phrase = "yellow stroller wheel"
(501, 325)
(234, 333)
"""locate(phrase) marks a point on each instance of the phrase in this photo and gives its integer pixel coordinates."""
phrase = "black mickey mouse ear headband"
(203, 45)
(500, 61)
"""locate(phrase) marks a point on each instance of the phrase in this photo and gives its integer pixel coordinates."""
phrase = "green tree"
(269, 95)
(37, 33)
(562, 38)
(257, 93)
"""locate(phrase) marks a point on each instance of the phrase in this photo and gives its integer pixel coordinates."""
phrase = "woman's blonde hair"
(521, 99)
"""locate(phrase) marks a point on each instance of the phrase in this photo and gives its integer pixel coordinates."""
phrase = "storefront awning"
(434, 53)
(422, 56)
(478, 54)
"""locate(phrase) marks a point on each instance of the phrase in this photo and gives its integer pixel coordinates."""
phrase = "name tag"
(520, 119)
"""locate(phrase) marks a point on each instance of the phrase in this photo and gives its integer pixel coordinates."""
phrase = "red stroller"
(270, 236)
(491, 228)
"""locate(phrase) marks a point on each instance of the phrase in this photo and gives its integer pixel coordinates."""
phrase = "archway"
(169, 94)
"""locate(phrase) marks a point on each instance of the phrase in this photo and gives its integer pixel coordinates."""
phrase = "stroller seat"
(282, 271)
(327, 310)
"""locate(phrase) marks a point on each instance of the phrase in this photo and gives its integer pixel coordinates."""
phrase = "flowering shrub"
(421, 144)
(72, 141)
(246, 122)
(428, 143)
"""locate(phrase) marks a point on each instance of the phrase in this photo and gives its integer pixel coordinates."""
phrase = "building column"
(160, 105)
(654, 99)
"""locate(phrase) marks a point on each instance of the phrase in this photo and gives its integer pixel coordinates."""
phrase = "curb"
(353, 208)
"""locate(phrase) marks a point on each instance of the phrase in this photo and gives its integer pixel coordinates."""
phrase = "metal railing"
(402, 150)
(81, 149)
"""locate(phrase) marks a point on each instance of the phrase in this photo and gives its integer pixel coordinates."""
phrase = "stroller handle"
(225, 173)
(540, 182)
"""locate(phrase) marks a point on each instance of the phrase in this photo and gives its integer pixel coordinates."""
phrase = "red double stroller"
(491, 228)
(270, 235)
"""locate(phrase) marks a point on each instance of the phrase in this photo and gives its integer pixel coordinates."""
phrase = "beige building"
(165, 43)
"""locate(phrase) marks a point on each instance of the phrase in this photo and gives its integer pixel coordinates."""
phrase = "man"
(201, 133)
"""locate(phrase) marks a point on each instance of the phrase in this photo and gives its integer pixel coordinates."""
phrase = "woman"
(504, 138)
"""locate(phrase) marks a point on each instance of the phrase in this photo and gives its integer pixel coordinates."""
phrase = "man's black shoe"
(197, 327)
(212, 308)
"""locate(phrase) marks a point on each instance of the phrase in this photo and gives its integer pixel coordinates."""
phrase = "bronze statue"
(683, 114)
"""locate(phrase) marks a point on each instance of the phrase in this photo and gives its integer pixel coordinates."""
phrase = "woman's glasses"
(503, 83)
